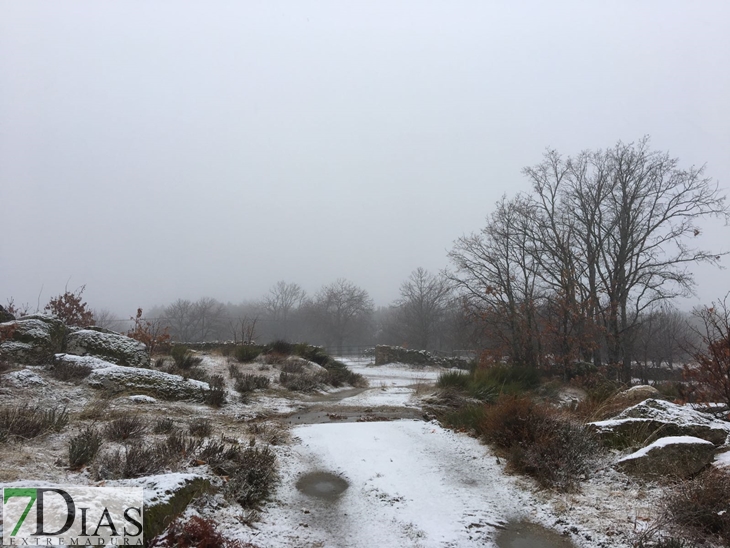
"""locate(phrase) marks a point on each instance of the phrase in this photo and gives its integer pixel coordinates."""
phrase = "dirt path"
(399, 483)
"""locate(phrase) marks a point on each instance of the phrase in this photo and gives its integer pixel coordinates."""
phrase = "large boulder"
(670, 457)
(652, 419)
(147, 381)
(32, 340)
(112, 347)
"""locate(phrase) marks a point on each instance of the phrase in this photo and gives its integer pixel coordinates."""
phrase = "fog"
(155, 151)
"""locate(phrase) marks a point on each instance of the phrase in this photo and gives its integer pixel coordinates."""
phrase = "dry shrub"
(216, 394)
(184, 358)
(164, 425)
(300, 382)
(196, 532)
(65, 371)
(25, 422)
(539, 441)
(250, 382)
(200, 427)
(133, 461)
(250, 483)
(699, 506)
(125, 427)
(83, 447)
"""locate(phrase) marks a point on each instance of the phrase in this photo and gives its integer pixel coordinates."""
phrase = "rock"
(165, 497)
(147, 381)
(5, 316)
(86, 361)
(32, 340)
(25, 378)
(635, 394)
(673, 456)
(112, 347)
(652, 419)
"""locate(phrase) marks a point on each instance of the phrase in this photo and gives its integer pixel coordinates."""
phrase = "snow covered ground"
(410, 483)
(414, 484)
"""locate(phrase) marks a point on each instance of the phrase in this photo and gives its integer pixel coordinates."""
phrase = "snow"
(24, 378)
(141, 398)
(722, 460)
(663, 442)
(160, 488)
(89, 361)
(411, 484)
(671, 412)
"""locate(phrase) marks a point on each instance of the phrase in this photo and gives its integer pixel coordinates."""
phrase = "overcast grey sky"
(157, 150)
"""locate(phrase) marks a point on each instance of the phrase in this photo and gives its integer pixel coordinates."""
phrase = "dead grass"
(26, 421)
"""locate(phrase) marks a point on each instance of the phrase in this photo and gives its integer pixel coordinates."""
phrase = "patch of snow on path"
(411, 484)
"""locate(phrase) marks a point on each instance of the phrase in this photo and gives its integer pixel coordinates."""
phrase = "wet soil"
(325, 414)
(530, 535)
(322, 485)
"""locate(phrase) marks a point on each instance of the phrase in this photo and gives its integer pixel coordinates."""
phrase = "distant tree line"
(581, 269)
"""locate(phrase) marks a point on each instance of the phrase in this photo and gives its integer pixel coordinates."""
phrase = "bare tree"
(712, 355)
(339, 309)
(207, 314)
(496, 274)
(603, 238)
(179, 317)
(104, 318)
(425, 298)
(283, 299)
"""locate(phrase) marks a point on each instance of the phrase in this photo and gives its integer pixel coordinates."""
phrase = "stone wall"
(419, 358)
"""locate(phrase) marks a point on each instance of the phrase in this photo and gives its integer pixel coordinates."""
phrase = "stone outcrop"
(111, 347)
(32, 340)
(669, 457)
(147, 381)
(652, 419)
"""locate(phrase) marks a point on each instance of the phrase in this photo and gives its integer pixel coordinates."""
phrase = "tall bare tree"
(340, 309)
(424, 300)
(283, 299)
(603, 238)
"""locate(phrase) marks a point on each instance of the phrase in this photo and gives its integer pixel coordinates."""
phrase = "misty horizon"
(179, 151)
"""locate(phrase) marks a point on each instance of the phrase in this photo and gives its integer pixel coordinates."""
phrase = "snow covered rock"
(32, 340)
(91, 362)
(24, 378)
(112, 347)
(656, 418)
(141, 398)
(165, 497)
(147, 381)
(673, 456)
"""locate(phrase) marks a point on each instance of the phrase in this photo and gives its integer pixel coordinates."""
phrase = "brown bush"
(700, 506)
(539, 441)
(196, 532)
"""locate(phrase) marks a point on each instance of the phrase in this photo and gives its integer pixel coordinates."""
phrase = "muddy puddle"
(324, 415)
(322, 485)
(530, 535)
